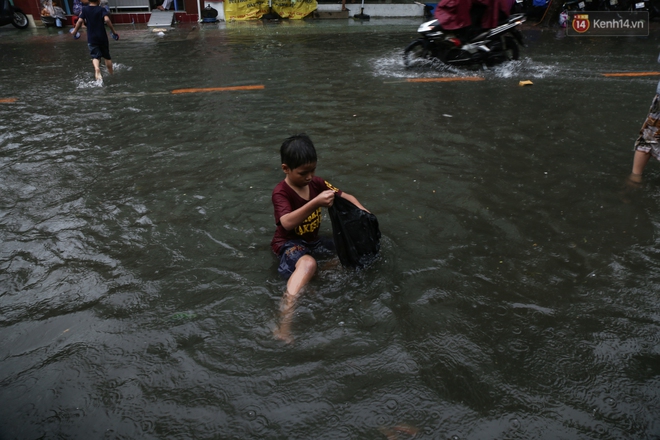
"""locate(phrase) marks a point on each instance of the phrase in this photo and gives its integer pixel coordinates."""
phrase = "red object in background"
(33, 7)
(29, 7)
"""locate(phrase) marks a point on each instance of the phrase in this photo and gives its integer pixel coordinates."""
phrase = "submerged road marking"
(219, 89)
(632, 74)
(8, 100)
(446, 79)
(437, 79)
(179, 91)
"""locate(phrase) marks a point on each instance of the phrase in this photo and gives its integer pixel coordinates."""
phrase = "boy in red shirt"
(298, 200)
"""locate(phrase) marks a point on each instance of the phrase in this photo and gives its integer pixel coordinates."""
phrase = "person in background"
(648, 142)
(165, 6)
(59, 15)
(96, 18)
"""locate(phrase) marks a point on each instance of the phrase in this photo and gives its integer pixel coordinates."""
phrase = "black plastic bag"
(209, 12)
(355, 232)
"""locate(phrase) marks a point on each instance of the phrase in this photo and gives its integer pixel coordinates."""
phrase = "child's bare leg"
(640, 160)
(305, 270)
(108, 65)
(97, 68)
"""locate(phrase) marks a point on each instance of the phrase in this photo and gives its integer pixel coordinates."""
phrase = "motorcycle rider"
(495, 12)
(466, 18)
(454, 16)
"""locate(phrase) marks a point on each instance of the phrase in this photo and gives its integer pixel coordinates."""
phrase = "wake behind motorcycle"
(488, 48)
(11, 14)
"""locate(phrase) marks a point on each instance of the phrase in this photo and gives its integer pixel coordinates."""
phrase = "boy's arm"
(79, 24)
(353, 200)
(107, 21)
(295, 218)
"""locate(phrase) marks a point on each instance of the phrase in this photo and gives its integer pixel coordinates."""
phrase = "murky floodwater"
(518, 291)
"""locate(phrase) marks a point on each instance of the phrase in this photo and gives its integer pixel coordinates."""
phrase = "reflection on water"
(515, 296)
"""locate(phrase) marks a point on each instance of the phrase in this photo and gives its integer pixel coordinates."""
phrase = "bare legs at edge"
(640, 160)
(97, 68)
(305, 270)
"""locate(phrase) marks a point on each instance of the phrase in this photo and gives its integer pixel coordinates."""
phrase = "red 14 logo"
(581, 23)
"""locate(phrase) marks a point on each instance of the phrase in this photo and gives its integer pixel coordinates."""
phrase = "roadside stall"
(52, 14)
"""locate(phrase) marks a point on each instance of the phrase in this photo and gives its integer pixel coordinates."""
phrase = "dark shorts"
(649, 135)
(293, 250)
(98, 52)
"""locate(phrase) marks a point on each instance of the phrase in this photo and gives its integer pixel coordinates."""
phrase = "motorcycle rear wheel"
(511, 49)
(19, 20)
(415, 51)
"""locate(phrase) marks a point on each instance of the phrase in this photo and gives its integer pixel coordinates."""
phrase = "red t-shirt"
(286, 200)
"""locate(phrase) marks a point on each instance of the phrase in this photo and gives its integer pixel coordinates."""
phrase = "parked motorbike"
(611, 5)
(11, 14)
(574, 5)
(654, 9)
(650, 6)
(639, 5)
(489, 48)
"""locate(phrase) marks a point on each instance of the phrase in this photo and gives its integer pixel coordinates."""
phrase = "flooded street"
(518, 291)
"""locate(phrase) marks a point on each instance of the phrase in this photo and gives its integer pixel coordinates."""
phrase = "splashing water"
(119, 67)
(87, 82)
(391, 66)
(524, 67)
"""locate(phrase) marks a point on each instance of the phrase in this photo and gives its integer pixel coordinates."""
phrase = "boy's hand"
(76, 35)
(115, 36)
(326, 198)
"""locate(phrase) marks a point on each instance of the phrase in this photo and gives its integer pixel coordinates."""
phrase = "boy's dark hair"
(297, 151)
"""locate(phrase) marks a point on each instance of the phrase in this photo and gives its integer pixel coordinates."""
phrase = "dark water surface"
(517, 295)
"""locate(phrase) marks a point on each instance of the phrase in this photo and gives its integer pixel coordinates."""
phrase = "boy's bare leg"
(639, 163)
(108, 65)
(97, 69)
(305, 269)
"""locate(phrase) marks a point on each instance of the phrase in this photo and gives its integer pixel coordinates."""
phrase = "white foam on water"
(118, 67)
(391, 66)
(87, 81)
(525, 67)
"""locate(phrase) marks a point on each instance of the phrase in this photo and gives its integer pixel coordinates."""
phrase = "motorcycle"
(574, 5)
(650, 6)
(489, 48)
(639, 5)
(11, 14)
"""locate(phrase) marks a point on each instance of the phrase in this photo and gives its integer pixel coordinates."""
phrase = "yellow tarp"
(300, 9)
(255, 9)
(245, 9)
